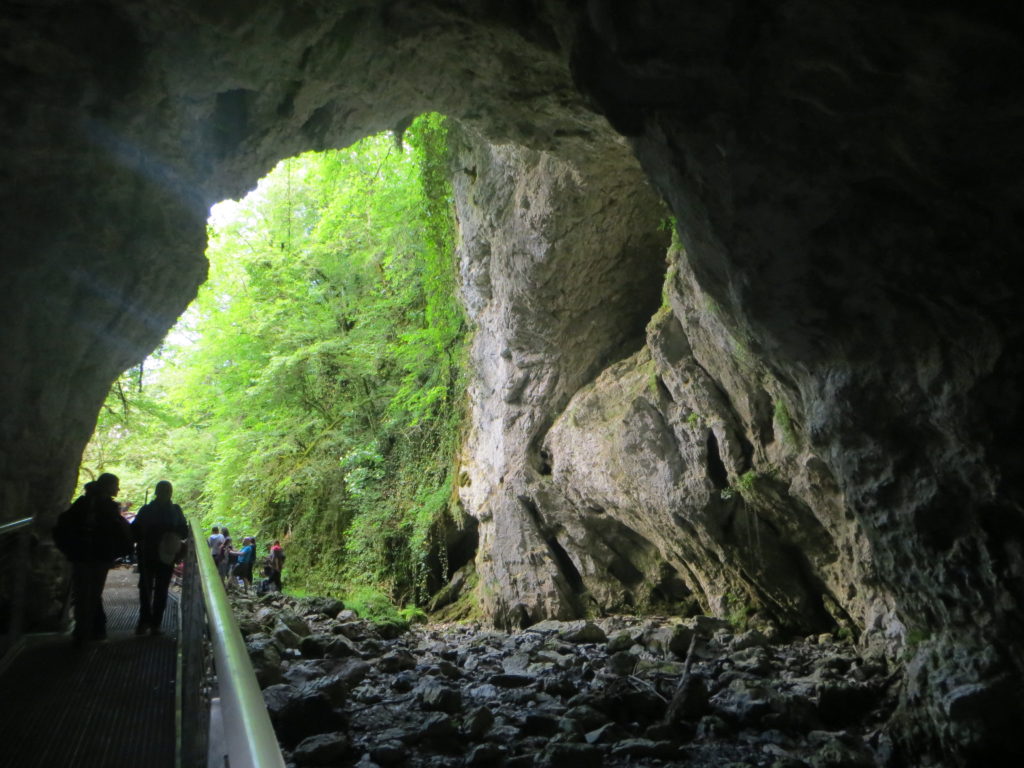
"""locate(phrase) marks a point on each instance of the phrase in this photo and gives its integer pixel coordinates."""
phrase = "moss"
(711, 307)
(658, 317)
(412, 614)
(785, 424)
(652, 384)
(465, 608)
(744, 486)
(915, 636)
(742, 353)
(666, 286)
(373, 604)
(738, 611)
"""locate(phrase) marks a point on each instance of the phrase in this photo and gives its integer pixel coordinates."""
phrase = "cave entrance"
(312, 392)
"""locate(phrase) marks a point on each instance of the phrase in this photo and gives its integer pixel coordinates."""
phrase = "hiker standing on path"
(216, 544)
(92, 534)
(276, 564)
(228, 556)
(246, 558)
(159, 529)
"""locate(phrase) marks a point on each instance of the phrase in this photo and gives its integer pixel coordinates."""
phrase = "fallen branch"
(679, 697)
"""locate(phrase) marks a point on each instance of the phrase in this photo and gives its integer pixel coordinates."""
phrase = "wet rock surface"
(587, 693)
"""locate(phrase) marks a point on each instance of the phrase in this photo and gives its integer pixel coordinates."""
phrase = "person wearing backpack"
(246, 559)
(92, 534)
(159, 529)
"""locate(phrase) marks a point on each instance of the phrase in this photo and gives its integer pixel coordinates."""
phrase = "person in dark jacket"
(92, 534)
(159, 529)
(276, 564)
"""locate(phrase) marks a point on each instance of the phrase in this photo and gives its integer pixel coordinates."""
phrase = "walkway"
(109, 705)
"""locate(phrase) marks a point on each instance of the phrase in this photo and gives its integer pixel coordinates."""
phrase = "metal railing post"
(193, 705)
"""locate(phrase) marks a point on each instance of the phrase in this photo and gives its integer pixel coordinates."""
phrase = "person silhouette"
(276, 564)
(159, 528)
(92, 534)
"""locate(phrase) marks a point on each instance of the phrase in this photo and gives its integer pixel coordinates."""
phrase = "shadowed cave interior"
(812, 416)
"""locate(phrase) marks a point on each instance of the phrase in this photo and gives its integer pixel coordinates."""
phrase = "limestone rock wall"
(561, 265)
(840, 216)
(690, 446)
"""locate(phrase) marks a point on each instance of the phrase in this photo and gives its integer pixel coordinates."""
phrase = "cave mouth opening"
(312, 392)
(246, 474)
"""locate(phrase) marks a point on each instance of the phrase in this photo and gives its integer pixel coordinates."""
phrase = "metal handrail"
(250, 737)
(15, 525)
(12, 639)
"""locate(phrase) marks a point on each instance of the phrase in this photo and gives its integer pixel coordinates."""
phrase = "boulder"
(571, 631)
(478, 722)
(388, 753)
(339, 646)
(335, 686)
(284, 635)
(324, 606)
(396, 660)
(323, 749)
(265, 659)
(297, 672)
(673, 640)
(297, 713)
(482, 755)
(507, 680)
(313, 646)
(294, 623)
(569, 755)
(436, 696)
(644, 749)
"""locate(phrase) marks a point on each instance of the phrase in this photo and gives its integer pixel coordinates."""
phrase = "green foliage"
(412, 614)
(670, 224)
(743, 486)
(133, 432)
(737, 611)
(666, 287)
(746, 481)
(785, 423)
(314, 392)
(914, 638)
(372, 604)
(652, 383)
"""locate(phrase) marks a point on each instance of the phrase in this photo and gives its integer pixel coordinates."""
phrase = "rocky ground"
(343, 691)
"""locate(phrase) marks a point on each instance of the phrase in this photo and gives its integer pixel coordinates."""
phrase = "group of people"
(236, 566)
(92, 534)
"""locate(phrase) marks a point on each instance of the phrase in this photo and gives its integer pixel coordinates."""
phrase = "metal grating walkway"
(108, 705)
